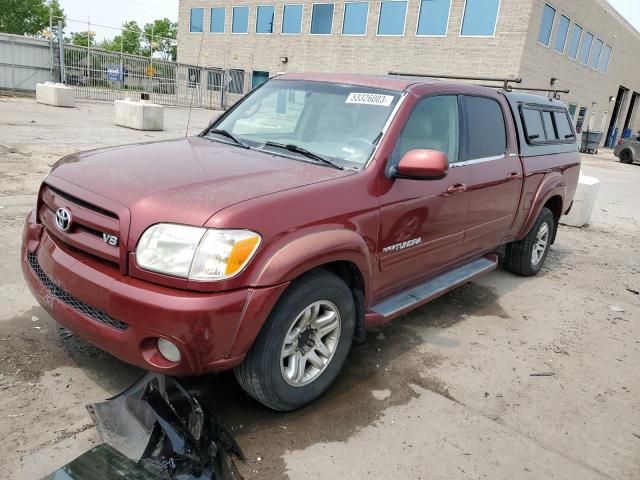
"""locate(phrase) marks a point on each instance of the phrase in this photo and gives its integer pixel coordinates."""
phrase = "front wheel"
(625, 157)
(303, 344)
(526, 257)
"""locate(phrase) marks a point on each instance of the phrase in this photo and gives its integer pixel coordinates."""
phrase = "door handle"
(513, 176)
(457, 188)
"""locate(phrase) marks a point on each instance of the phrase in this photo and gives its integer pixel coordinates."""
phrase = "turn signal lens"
(240, 253)
(223, 253)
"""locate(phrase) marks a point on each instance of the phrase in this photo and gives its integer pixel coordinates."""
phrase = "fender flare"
(313, 250)
(551, 185)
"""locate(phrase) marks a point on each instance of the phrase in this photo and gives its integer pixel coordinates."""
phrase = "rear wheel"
(526, 257)
(303, 344)
(626, 157)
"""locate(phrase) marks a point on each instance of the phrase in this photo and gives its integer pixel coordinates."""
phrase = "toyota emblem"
(63, 219)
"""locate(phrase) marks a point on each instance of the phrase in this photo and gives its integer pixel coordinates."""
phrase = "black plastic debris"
(156, 430)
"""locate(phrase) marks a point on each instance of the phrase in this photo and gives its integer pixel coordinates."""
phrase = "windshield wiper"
(302, 151)
(226, 133)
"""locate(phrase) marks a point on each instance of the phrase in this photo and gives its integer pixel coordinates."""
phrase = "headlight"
(195, 253)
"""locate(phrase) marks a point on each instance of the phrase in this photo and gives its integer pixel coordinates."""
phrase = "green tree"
(160, 36)
(130, 39)
(28, 17)
(82, 39)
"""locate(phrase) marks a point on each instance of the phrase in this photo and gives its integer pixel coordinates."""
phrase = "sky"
(113, 13)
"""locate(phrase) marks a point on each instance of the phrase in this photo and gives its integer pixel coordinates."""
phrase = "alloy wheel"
(540, 244)
(310, 343)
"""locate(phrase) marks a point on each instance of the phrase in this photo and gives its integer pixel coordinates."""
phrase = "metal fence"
(24, 62)
(104, 75)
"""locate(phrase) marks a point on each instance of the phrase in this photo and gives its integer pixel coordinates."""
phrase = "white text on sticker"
(370, 99)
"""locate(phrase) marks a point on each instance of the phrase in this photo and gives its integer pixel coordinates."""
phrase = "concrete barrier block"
(141, 115)
(583, 202)
(56, 94)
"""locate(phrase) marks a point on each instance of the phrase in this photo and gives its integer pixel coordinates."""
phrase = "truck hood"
(186, 180)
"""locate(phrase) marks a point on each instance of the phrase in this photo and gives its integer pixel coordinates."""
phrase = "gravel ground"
(448, 391)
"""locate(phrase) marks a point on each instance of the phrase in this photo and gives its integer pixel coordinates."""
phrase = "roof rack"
(503, 81)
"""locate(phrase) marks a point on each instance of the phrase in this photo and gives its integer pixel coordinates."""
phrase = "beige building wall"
(498, 55)
(540, 63)
(512, 51)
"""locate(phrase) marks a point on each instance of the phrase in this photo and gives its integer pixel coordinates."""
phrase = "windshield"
(301, 119)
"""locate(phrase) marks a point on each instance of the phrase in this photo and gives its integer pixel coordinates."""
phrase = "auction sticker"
(370, 99)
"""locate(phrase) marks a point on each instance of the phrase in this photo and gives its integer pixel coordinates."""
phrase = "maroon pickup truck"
(318, 206)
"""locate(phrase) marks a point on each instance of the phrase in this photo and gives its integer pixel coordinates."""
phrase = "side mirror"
(422, 165)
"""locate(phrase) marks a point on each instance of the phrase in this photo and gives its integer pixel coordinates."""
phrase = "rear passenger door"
(494, 171)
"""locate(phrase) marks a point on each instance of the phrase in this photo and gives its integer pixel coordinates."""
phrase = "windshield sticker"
(370, 99)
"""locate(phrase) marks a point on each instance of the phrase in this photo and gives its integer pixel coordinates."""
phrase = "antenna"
(186, 134)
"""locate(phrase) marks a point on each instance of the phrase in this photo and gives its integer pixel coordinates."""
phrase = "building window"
(237, 81)
(196, 24)
(604, 61)
(214, 80)
(595, 54)
(258, 78)
(355, 18)
(561, 33)
(217, 20)
(480, 18)
(574, 42)
(322, 18)
(585, 47)
(546, 26)
(292, 19)
(434, 17)
(194, 78)
(392, 17)
(240, 21)
(264, 19)
(572, 110)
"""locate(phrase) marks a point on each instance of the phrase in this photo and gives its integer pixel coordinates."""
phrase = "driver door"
(422, 222)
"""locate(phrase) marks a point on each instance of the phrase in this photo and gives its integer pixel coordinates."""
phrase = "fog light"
(168, 350)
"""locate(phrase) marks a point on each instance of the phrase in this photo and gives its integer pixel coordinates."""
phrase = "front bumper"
(126, 316)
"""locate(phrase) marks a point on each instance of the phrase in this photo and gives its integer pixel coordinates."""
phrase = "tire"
(519, 256)
(626, 157)
(267, 377)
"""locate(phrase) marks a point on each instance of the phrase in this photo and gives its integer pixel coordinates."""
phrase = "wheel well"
(555, 205)
(352, 276)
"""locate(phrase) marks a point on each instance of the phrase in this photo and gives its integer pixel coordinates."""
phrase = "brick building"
(585, 45)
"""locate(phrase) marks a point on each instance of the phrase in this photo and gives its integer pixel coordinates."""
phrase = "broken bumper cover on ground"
(126, 316)
(156, 430)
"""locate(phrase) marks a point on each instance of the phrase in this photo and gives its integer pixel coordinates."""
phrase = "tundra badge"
(403, 245)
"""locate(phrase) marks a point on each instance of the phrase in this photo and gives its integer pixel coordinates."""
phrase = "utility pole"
(88, 50)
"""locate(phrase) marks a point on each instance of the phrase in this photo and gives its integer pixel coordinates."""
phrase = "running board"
(429, 290)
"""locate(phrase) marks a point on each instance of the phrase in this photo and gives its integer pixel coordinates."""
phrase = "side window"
(548, 126)
(564, 127)
(533, 125)
(433, 125)
(486, 132)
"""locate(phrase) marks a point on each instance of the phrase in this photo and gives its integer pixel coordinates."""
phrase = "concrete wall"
(498, 55)
(540, 63)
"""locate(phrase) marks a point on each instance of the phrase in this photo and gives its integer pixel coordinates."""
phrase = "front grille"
(70, 300)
